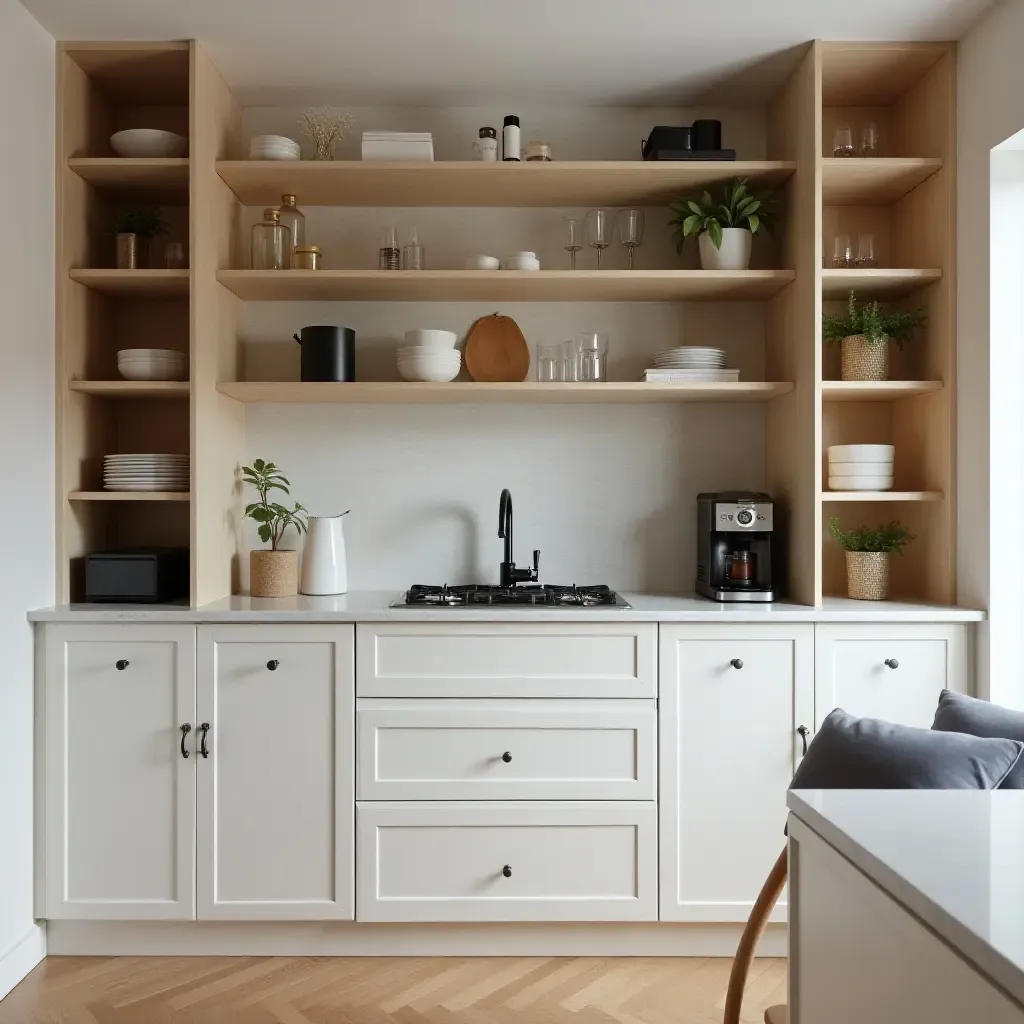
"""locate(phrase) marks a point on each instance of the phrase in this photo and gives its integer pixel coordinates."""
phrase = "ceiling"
(427, 52)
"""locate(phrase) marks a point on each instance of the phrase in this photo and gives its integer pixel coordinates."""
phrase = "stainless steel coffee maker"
(734, 546)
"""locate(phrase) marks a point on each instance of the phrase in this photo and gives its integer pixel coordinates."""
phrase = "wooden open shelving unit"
(906, 198)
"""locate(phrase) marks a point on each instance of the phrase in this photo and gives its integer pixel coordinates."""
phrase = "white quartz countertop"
(955, 858)
(374, 606)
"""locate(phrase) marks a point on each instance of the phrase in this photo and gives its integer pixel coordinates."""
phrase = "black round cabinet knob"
(736, 663)
(121, 665)
(506, 757)
(892, 663)
(272, 664)
(506, 871)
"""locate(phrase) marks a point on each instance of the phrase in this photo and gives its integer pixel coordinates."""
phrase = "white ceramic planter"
(324, 565)
(734, 254)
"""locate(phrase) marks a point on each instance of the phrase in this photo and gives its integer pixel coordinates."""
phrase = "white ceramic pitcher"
(324, 568)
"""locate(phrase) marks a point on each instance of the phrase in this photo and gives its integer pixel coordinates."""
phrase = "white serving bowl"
(522, 261)
(861, 453)
(860, 483)
(151, 371)
(150, 353)
(428, 364)
(434, 341)
(148, 142)
(483, 262)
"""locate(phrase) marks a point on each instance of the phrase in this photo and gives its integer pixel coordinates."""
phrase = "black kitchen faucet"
(510, 575)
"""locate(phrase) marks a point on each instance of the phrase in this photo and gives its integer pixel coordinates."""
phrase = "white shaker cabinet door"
(733, 699)
(891, 671)
(120, 773)
(276, 797)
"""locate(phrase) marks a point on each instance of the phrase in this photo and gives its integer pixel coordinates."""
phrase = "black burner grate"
(545, 595)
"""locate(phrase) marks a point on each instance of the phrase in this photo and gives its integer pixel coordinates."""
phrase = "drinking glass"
(593, 356)
(549, 362)
(842, 252)
(174, 255)
(570, 361)
(597, 232)
(866, 256)
(842, 141)
(573, 238)
(631, 230)
(870, 140)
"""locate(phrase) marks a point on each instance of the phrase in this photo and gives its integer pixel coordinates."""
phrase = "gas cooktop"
(539, 595)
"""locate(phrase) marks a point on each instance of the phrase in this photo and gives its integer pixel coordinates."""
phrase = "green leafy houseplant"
(738, 206)
(272, 517)
(144, 221)
(887, 538)
(872, 322)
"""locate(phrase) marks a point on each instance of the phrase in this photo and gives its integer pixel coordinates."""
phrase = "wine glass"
(631, 230)
(573, 238)
(597, 232)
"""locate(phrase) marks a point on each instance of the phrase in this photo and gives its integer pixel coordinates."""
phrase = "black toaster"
(137, 576)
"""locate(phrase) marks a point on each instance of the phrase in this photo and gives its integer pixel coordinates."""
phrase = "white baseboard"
(272, 938)
(17, 961)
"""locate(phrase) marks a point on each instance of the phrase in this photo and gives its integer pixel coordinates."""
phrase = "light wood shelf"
(472, 183)
(129, 496)
(173, 389)
(140, 284)
(856, 181)
(162, 179)
(861, 496)
(875, 390)
(504, 285)
(462, 392)
(889, 283)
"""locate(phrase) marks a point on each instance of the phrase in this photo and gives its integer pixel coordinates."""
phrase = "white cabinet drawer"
(895, 672)
(506, 750)
(507, 862)
(559, 659)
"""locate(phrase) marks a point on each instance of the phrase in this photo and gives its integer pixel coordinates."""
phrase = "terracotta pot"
(867, 575)
(865, 360)
(273, 573)
(734, 254)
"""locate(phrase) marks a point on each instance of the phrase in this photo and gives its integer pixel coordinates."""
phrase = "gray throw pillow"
(959, 713)
(865, 753)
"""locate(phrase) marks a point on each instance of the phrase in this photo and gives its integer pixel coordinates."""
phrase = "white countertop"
(373, 606)
(955, 858)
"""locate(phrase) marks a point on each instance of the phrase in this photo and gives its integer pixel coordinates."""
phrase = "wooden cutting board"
(496, 350)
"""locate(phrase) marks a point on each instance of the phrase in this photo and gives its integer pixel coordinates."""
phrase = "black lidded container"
(676, 139)
(707, 134)
(328, 353)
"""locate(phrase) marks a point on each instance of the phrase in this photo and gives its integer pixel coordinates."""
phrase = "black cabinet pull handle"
(804, 733)
(185, 730)
(506, 757)
(272, 664)
(892, 663)
(506, 871)
(121, 665)
(203, 729)
(736, 663)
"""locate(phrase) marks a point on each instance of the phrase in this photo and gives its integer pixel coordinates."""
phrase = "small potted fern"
(868, 551)
(864, 333)
(725, 227)
(273, 573)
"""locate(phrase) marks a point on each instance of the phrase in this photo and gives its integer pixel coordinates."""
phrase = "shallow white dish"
(150, 371)
(483, 262)
(860, 483)
(861, 453)
(432, 340)
(148, 142)
(421, 372)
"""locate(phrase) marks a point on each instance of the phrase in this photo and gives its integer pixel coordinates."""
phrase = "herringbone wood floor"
(413, 990)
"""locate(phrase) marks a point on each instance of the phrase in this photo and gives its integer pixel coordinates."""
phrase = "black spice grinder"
(328, 353)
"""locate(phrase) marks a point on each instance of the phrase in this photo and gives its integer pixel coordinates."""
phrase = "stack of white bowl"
(273, 147)
(151, 364)
(429, 355)
(860, 467)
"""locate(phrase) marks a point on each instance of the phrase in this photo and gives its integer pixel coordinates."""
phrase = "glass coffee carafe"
(741, 568)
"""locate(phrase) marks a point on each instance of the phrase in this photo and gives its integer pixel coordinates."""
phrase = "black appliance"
(328, 353)
(137, 576)
(700, 141)
(734, 546)
(541, 595)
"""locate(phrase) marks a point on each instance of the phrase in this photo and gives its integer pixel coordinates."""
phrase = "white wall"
(607, 493)
(990, 87)
(26, 423)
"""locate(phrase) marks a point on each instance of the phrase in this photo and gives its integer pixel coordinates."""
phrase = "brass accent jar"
(307, 257)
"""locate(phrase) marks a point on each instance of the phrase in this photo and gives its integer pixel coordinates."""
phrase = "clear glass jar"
(271, 243)
(293, 219)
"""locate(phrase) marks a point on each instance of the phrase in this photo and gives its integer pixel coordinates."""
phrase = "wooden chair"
(752, 932)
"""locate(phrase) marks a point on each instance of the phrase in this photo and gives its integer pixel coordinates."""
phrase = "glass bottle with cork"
(271, 246)
(293, 219)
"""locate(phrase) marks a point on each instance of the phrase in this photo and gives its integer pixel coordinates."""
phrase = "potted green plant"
(131, 225)
(867, 556)
(273, 573)
(725, 227)
(864, 333)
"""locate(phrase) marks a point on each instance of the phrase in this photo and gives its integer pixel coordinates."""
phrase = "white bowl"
(860, 483)
(522, 261)
(272, 140)
(150, 371)
(434, 341)
(149, 353)
(137, 142)
(861, 453)
(483, 262)
(427, 371)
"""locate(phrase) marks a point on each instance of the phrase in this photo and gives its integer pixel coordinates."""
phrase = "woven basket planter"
(865, 360)
(867, 575)
(273, 573)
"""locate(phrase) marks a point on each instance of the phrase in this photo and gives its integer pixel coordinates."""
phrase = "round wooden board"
(496, 350)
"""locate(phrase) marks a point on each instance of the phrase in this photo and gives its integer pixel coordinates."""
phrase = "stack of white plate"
(394, 146)
(145, 472)
(860, 467)
(429, 355)
(691, 363)
(151, 364)
(273, 147)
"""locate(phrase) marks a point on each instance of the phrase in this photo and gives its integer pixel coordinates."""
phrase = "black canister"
(328, 353)
(707, 135)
